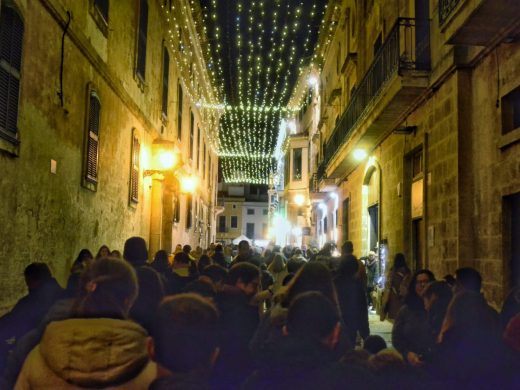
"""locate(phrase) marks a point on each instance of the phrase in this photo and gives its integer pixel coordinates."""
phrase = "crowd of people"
(285, 318)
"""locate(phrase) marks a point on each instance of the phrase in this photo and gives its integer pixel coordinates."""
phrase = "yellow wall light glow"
(359, 154)
(189, 184)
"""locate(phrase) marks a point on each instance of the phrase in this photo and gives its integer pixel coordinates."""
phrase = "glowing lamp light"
(297, 231)
(359, 154)
(313, 81)
(167, 159)
(188, 184)
(164, 157)
(299, 199)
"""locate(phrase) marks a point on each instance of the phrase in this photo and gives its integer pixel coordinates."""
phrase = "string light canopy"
(256, 51)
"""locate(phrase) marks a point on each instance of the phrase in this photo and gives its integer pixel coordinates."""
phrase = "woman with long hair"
(396, 287)
(411, 334)
(99, 347)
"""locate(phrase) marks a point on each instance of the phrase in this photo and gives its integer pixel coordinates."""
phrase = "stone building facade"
(90, 91)
(418, 138)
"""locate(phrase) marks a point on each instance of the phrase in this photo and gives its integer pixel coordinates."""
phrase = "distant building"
(244, 212)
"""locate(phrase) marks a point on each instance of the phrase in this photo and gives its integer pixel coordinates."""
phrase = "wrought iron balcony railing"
(446, 7)
(407, 47)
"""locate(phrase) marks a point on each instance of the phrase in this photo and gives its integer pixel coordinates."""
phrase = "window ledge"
(101, 23)
(11, 148)
(509, 138)
(89, 185)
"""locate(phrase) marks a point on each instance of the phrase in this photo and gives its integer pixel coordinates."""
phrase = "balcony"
(396, 78)
(479, 22)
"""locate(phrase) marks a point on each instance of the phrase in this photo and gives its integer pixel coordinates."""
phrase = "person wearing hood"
(278, 269)
(98, 348)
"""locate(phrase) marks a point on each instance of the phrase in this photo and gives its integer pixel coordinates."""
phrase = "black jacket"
(353, 304)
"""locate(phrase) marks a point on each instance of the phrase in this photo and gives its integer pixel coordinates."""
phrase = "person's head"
(243, 247)
(399, 262)
(201, 286)
(217, 274)
(327, 249)
(184, 334)
(103, 251)
(160, 260)
(83, 259)
(313, 276)
(278, 264)
(186, 249)
(297, 252)
(36, 274)
(449, 279)
(294, 264)
(245, 276)
(512, 334)
(347, 248)
(348, 266)
(437, 292)
(178, 248)
(467, 279)
(181, 258)
(203, 262)
(115, 253)
(418, 283)
(108, 289)
(420, 279)
(135, 251)
(219, 248)
(374, 344)
(313, 316)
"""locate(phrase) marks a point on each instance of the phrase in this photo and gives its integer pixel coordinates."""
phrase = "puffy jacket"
(89, 353)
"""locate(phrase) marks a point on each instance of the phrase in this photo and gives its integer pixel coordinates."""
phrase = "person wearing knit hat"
(135, 251)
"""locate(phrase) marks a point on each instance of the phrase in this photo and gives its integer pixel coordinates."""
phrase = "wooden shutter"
(141, 39)
(11, 39)
(166, 71)
(179, 112)
(93, 139)
(134, 172)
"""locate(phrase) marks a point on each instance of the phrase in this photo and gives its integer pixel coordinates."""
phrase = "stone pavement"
(383, 329)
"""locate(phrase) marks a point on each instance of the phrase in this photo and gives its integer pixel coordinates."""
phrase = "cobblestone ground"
(381, 328)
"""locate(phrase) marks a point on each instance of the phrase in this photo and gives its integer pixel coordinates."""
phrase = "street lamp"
(188, 184)
(165, 157)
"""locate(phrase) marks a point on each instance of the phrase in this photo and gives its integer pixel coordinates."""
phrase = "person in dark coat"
(411, 334)
(305, 357)
(436, 297)
(151, 289)
(218, 256)
(43, 291)
(352, 299)
(238, 322)
(185, 343)
(470, 353)
(245, 255)
(396, 288)
(82, 261)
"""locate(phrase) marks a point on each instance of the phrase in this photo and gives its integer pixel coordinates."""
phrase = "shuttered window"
(141, 38)
(92, 155)
(102, 7)
(166, 71)
(199, 142)
(11, 38)
(134, 170)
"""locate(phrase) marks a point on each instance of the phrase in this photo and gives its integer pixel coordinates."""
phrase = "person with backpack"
(396, 288)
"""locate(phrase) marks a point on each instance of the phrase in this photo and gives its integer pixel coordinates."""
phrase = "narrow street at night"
(260, 194)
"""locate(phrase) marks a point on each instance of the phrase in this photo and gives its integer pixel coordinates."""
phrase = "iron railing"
(446, 8)
(407, 47)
